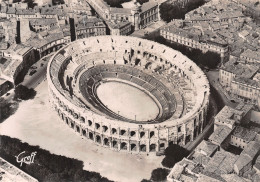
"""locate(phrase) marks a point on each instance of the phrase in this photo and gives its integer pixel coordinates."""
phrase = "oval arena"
(128, 94)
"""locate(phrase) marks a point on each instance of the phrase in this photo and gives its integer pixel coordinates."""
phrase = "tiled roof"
(243, 70)
(220, 134)
(244, 133)
(221, 163)
(206, 147)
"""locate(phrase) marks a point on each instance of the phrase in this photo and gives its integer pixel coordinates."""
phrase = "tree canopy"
(170, 11)
(173, 154)
(159, 174)
(23, 93)
(116, 3)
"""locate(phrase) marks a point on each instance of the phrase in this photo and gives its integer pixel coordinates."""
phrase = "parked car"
(32, 72)
(34, 67)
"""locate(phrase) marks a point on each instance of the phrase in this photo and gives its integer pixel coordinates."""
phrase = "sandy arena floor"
(35, 123)
(127, 101)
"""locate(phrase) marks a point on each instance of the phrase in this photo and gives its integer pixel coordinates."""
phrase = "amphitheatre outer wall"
(68, 65)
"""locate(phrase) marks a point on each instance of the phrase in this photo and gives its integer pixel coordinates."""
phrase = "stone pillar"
(184, 134)
(138, 146)
(128, 146)
(110, 142)
(118, 145)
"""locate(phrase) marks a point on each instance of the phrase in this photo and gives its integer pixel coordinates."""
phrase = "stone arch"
(123, 132)
(133, 147)
(142, 134)
(105, 128)
(91, 136)
(151, 134)
(143, 148)
(132, 133)
(72, 124)
(98, 139)
(89, 122)
(97, 126)
(123, 146)
(84, 133)
(114, 144)
(162, 147)
(114, 131)
(75, 115)
(152, 147)
(106, 142)
(82, 119)
(77, 128)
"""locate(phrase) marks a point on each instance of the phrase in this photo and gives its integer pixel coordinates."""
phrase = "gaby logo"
(20, 158)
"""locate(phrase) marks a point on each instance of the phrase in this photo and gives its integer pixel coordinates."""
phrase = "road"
(213, 79)
(205, 133)
(34, 80)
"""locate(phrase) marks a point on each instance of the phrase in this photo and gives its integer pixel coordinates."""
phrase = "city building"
(138, 15)
(231, 117)
(90, 27)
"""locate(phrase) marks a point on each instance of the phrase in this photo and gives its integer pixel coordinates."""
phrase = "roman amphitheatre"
(128, 94)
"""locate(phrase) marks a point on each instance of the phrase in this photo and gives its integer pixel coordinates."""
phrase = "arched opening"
(84, 132)
(152, 148)
(89, 122)
(106, 142)
(113, 131)
(77, 128)
(162, 147)
(67, 121)
(123, 146)
(105, 128)
(97, 126)
(188, 138)
(143, 148)
(123, 132)
(72, 125)
(98, 139)
(91, 137)
(114, 144)
(151, 134)
(62, 117)
(82, 119)
(75, 115)
(142, 134)
(133, 147)
(132, 133)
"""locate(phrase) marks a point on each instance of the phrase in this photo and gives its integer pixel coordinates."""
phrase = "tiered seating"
(124, 76)
(108, 75)
(137, 81)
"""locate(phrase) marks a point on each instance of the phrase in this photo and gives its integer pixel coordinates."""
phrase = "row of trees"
(171, 11)
(204, 60)
(46, 166)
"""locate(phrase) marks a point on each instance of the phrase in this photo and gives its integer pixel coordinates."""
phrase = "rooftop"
(221, 163)
(243, 70)
(244, 133)
(219, 135)
(247, 155)
(251, 54)
(207, 148)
